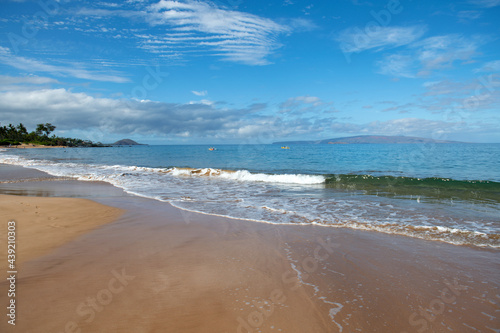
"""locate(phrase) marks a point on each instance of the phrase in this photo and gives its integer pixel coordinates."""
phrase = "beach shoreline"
(30, 146)
(155, 268)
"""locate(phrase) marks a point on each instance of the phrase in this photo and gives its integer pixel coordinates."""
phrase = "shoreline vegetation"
(40, 138)
(18, 137)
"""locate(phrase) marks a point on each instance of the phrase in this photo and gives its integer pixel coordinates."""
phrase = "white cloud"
(233, 35)
(69, 110)
(485, 3)
(397, 65)
(423, 57)
(99, 12)
(439, 51)
(478, 97)
(79, 111)
(11, 83)
(4, 79)
(404, 126)
(72, 111)
(203, 101)
(467, 15)
(87, 115)
(301, 24)
(316, 101)
(492, 66)
(200, 93)
(378, 38)
(301, 105)
(196, 28)
(70, 70)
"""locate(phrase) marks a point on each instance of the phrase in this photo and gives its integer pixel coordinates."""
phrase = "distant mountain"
(126, 142)
(368, 139)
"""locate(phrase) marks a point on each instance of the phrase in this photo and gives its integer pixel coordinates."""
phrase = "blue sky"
(240, 71)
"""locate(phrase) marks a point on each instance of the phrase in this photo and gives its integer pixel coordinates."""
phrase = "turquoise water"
(442, 192)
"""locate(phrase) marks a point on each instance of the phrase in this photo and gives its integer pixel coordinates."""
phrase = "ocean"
(437, 192)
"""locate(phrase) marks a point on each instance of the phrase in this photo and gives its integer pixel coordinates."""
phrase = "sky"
(241, 71)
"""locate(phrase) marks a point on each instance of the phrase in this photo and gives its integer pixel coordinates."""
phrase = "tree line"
(14, 135)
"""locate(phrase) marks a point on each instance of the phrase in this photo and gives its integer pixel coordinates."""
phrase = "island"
(127, 142)
(369, 139)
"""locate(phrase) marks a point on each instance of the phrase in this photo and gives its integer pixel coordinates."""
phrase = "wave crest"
(244, 175)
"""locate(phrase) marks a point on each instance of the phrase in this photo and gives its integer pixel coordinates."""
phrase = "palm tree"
(21, 132)
(3, 132)
(21, 129)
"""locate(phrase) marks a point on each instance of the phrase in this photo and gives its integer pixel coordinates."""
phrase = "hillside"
(368, 139)
(126, 142)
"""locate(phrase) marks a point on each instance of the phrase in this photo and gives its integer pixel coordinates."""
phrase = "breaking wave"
(302, 198)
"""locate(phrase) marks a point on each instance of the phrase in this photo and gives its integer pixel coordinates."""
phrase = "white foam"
(244, 175)
(267, 198)
(300, 276)
(283, 178)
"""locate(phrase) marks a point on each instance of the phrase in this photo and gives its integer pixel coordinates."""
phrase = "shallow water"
(445, 192)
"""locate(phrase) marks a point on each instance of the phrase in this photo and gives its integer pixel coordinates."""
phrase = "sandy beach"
(44, 225)
(31, 146)
(92, 258)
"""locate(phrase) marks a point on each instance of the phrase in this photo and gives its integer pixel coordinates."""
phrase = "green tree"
(11, 130)
(40, 128)
(21, 129)
(3, 132)
(49, 128)
(21, 132)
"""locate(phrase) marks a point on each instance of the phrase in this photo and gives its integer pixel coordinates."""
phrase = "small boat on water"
(285, 147)
(212, 148)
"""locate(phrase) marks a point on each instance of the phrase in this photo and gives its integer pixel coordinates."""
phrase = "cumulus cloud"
(79, 111)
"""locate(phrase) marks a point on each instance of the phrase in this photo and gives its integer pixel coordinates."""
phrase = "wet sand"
(160, 269)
